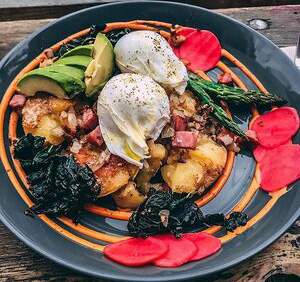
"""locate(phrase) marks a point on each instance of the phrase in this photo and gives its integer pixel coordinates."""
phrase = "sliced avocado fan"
(78, 61)
(84, 50)
(59, 84)
(68, 70)
(100, 69)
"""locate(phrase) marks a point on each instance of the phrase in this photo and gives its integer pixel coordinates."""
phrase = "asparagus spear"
(217, 112)
(237, 96)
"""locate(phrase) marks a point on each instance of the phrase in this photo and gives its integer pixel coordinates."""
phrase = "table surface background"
(19, 263)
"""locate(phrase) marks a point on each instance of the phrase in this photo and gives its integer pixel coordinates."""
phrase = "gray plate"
(262, 57)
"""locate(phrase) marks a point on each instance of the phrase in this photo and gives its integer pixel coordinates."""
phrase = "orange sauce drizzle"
(138, 24)
(274, 198)
(244, 69)
(214, 191)
(122, 215)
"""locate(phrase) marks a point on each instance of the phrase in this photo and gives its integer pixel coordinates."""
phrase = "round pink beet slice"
(180, 251)
(187, 31)
(206, 243)
(280, 167)
(201, 50)
(276, 127)
(260, 151)
(136, 251)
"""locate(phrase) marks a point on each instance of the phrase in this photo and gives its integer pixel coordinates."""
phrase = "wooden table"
(19, 263)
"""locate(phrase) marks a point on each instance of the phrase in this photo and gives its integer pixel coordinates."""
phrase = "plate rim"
(171, 277)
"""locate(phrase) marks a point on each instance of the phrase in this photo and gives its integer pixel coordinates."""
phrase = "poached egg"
(131, 109)
(147, 52)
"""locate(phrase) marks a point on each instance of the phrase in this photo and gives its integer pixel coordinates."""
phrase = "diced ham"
(179, 123)
(185, 139)
(252, 136)
(225, 78)
(225, 137)
(89, 119)
(17, 102)
(95, 137)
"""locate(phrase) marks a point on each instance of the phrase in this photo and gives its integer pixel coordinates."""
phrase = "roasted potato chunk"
(184, 177)
(49, 127)
(152, 165)
(128, 196)
(111, 176)
(208, 159)
(209, 154)
(185, 103)
(40, 117)
(213, 159)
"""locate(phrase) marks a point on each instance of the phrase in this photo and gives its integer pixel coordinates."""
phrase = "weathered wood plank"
(19, 263)
(283, 30)
(39, 9)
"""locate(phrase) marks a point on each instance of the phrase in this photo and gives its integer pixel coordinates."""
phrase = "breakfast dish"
(123, 121)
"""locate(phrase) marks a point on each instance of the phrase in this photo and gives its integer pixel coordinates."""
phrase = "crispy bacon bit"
(89, 119)
(225, 78)
(252, 136)
(76, 146)
(49, 53)
(17, 102)
(226, 137)
(95, 137)
(179, 123)
(47, 62)
(177, 40)
(185, 139)
(233, 147)
(168, 131)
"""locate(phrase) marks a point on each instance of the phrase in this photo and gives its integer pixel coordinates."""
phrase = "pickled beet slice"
(180, 251)
(280, 167)
(136, 251)
(276, 127)
(187, 31)
(201, 49)
(260, 151)
(206, 243)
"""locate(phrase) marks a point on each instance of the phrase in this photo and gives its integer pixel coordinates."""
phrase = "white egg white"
(131, 109)
(147, 52)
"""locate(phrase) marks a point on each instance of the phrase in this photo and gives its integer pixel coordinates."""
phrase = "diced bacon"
(225, 78)
(180, 123)
(89, 119)
(185, 139)
(95, 137)
(17, 102)
(225, 137)
(252, 136)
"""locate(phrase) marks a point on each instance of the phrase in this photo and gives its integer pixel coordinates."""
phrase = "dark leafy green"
(163, 212)
(116, 34)
(58, 184)
(84, 40)
(235, 220)
(167, 212)
(89, 38)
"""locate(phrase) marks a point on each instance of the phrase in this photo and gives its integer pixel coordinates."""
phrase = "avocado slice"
(100, 69)
(68, 70)
(78, 61)
(84, 50)
(58, 84)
